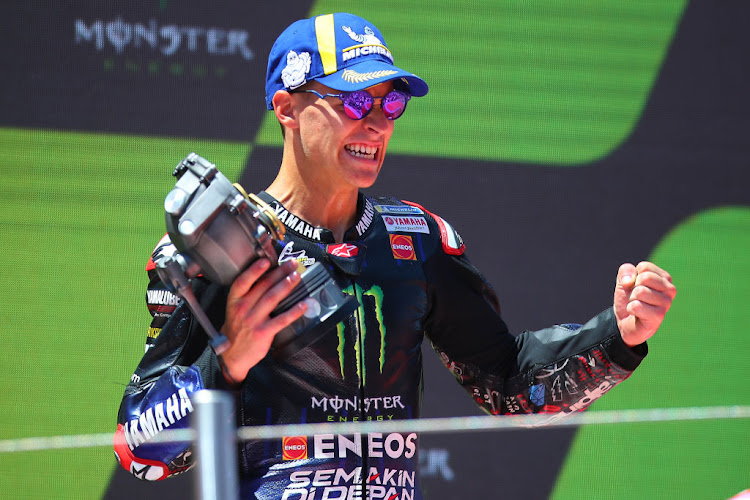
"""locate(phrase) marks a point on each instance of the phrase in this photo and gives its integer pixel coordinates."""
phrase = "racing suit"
(407, 269)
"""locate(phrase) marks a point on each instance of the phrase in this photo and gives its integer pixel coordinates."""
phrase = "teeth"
(361, 150)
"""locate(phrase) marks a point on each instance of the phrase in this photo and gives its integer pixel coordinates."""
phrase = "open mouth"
(361, 151)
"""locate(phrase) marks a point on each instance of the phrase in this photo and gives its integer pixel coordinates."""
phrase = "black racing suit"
(408, 271)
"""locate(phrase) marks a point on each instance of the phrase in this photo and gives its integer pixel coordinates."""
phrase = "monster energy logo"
(377, 294)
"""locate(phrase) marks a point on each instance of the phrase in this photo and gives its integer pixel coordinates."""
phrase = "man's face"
(341, 152)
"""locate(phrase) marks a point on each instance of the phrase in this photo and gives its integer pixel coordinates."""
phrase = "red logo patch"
(402, 247)
(294, 447)
(343, 250)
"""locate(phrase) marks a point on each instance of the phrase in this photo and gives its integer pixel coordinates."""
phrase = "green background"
(699, 358)
(559, 83)
(79, 217)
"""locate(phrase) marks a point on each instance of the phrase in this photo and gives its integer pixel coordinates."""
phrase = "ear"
(284, 109)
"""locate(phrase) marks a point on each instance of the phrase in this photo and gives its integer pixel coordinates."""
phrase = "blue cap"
(341, 51)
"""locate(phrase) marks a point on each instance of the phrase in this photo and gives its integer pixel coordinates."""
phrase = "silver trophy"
(219, 230)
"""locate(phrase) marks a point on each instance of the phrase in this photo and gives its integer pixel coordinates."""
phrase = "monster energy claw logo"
(377, 297)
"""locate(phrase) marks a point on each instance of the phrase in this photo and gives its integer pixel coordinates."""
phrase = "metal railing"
(215, 435)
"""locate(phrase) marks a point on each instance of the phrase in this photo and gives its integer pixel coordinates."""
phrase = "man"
(332, 85)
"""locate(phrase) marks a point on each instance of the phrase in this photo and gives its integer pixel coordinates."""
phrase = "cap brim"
(368, 73)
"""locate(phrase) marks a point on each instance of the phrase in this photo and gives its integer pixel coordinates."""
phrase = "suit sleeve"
(559, 370)
(177, 363)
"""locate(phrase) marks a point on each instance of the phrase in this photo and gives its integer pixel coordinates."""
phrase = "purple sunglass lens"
(357, 104)
(394, 104)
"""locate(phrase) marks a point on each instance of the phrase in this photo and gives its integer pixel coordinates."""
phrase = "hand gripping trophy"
(219, 230)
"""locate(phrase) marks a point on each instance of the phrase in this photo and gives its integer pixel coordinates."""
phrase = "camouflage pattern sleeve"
(560, 369)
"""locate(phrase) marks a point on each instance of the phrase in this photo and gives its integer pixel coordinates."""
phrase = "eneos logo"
(294, 447)
(402, 247)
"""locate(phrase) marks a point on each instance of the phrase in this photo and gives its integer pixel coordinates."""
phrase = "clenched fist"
(643, 295)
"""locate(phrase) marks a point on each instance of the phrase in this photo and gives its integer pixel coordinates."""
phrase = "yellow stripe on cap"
(324, 31)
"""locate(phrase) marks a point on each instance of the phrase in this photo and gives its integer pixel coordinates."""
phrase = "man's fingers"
(247, 304)
(247, 278)
(656, 282)
(648, 275)
(259, 283)
(643, 295)
(624, 283)
(270, 279)
(265, 331)
(249, 325)
(275, 294)
(646, 266)
(650, 296)
(648, 314)
(277, 323)
(626, 275)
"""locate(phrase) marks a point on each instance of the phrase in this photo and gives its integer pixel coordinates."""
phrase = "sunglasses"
(358, 104)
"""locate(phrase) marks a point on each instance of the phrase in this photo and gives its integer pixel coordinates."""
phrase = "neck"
(316, 200)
